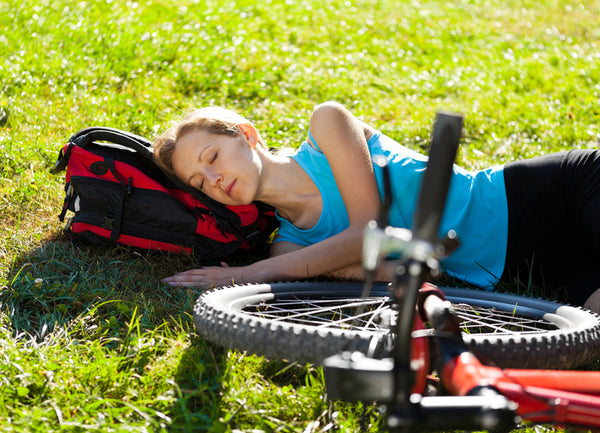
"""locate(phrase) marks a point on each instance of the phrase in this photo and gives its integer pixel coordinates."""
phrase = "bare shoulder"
(331, 117)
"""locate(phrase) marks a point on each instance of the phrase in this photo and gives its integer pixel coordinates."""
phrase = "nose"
(213, 178)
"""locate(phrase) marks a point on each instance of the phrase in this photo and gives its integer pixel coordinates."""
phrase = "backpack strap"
(102, 133)
(85, 137)
(230, 221)
(117, 224)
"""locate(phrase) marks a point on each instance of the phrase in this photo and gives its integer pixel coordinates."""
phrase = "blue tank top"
(476, 208)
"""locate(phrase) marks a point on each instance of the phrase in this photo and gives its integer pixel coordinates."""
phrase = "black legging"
(554, 223)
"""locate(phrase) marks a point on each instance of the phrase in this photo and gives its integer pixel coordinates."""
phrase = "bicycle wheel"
(308, 321)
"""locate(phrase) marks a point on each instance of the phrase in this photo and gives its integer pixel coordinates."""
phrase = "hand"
(207, 277)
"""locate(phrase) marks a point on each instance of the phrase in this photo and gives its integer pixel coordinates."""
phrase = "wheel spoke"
(341, 313)
(323, 313)
(493, 321)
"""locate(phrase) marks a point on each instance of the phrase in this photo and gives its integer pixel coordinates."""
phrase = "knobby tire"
(308, 321)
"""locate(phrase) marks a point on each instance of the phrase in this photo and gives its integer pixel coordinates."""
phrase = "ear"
(250, 133)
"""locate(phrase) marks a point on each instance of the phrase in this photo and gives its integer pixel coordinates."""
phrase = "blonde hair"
(215, 120)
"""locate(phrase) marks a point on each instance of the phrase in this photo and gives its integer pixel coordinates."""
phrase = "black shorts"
(554, 223)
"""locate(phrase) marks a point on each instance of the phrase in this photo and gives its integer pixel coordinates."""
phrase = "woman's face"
(223, 167)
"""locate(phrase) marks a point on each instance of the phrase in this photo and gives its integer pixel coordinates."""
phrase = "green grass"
(90, 340)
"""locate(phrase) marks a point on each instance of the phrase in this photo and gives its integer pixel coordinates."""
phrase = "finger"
(182, 276)
(183, 279)
(196, 284)
(187, 284)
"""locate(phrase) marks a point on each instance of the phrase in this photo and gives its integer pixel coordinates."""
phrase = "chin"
(244, 203)
(236, 202)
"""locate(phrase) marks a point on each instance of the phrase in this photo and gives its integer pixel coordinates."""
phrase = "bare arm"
(352, 272)
(328, 255)
(343, 140)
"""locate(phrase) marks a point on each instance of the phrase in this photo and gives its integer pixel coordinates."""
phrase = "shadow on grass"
(198, 380)
(111, 302)
(57, 282)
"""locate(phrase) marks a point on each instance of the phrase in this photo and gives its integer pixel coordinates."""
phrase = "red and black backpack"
(118, 194)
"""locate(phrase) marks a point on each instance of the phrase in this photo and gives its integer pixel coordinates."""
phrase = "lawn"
(90, 339)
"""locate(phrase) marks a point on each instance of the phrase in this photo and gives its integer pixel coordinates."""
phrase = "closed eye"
(213, 157)
(194, 182)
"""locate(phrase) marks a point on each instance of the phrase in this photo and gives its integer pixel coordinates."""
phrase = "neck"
(287, 187)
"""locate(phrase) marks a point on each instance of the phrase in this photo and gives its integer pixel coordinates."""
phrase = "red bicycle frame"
(562, 398)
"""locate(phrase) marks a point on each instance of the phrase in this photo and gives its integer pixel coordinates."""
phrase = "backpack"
(119, 195)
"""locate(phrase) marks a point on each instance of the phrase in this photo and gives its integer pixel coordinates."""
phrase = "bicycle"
(487, 348)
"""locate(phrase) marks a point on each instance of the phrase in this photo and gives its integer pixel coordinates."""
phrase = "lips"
(230, 187)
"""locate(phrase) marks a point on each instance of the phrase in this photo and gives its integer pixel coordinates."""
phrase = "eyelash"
(213, 159)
